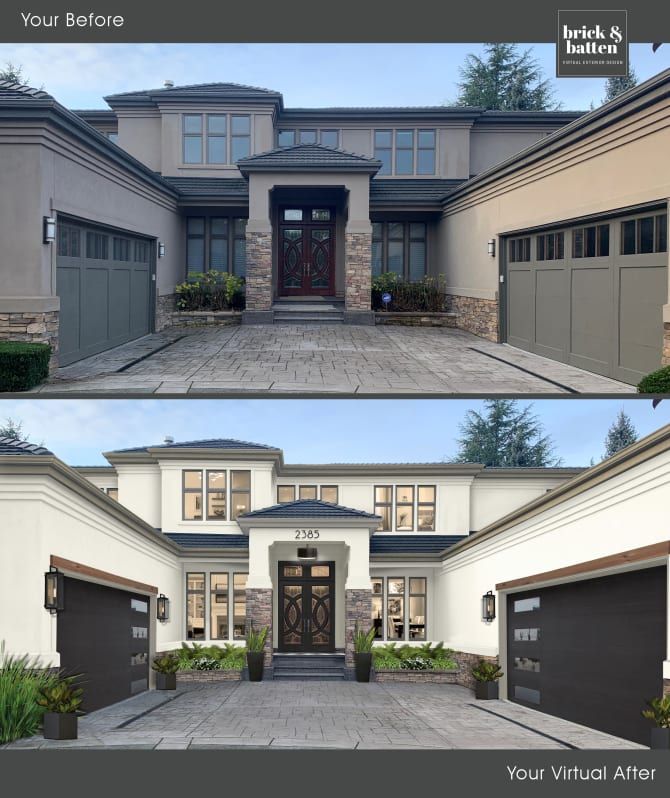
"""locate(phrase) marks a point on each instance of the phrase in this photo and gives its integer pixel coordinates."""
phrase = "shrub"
(405, 657)
(199, 657)
(427, 294)
(656, 382)
(21, 680)
(61, 696)
(487, 671)
(256, 639)
(211, 291)
(659, 711)
(23, 365)
(363, 640)
(167, 663)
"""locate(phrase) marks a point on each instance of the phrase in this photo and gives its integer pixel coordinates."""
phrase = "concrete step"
(308, 318)
(313, 676)
(302, 667)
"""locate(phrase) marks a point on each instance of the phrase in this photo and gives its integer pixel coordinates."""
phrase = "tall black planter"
(486, 691)
(255, 660)
(660, 739)
(166, 681)
(60, 725)
(363, 665)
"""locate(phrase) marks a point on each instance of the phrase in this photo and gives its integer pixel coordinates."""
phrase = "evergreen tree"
(13, 73)
(505, 79)
(621, 434)
(12, 429)
(505, 435)
(617, 85)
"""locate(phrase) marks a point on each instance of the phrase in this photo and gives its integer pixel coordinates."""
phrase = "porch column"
(259, 254)
(357, 595)
(259, 591)
(358, 253)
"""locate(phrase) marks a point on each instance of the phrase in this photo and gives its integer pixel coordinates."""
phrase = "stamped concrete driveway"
(286, 359)
(276, 715)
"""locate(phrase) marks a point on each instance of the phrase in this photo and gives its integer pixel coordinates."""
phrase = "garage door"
(103, 634)
(592, 294)
(103, 280)
(591, 651)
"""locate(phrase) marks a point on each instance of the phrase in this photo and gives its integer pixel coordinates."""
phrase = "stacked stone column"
(358, 276)
(259, 614)
(357, 608)
(259, 271)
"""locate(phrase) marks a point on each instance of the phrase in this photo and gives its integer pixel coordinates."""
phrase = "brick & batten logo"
(592, 44)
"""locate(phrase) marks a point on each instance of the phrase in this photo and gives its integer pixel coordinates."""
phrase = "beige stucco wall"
(490, 146)
(140, 135)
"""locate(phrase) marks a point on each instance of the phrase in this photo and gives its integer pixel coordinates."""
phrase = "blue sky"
(311, 431)
(79, 75)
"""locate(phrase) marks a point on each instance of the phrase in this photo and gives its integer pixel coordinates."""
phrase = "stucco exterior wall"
(140, 135)
(489, 146)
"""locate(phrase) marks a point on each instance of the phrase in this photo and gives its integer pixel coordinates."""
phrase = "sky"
(314, 430)
(79, 75)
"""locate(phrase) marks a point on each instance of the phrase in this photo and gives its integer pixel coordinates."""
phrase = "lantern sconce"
(54, 590)
(48, 229)
(492, 247)
(307, 553)
(161, 249)
(488, 607)
(162, 608)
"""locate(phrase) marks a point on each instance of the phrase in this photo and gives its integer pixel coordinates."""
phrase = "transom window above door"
(215, 138)
(307, 215)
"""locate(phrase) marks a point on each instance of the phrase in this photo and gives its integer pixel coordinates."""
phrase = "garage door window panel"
(645, 235)
(97, 246)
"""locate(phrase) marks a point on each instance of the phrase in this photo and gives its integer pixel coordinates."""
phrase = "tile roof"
(9, 89)
(197, 90)
(14, 446)
(308, 508)
(198, 540)
(209, 443)
(412, 544)
(408, 191)
(214, 187)
(308, 156)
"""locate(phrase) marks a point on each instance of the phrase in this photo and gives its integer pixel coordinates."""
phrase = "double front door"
(306, 252)
(306, 606)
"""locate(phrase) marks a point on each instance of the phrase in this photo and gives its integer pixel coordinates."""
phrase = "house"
(549, 229)
(230, 534)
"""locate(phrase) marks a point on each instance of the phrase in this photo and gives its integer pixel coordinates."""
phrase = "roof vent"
(168, 84)
(168, 439)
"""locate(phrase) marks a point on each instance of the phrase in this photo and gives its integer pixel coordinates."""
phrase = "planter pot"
(60, 725)
(486, 691)
(363, 665)
(660, 739)
(166, 681)
(255, 661)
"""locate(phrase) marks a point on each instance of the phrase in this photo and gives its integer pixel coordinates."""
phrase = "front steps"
(308, 311)
(308, 667)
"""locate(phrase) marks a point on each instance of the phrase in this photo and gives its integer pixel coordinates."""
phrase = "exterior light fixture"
(54, 590)
(307, 553)
(49, 229)
(488, 607)
(161, 249)
(492, 247)
(163, 608)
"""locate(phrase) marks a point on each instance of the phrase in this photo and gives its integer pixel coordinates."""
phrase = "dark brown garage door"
(103, 279)
(103, 634)
(590, 651)
(591, 294)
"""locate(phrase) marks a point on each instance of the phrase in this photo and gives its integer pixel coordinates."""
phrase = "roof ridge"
(306, 146)
(23, 88)
(23, 446)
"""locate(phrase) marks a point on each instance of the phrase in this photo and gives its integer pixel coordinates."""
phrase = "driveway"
(276, 715)
(290, 359)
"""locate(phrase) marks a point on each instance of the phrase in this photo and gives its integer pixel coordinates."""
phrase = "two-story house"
(547, 227)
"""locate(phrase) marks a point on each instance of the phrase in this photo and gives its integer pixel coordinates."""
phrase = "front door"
(306, 606)
(307, 252)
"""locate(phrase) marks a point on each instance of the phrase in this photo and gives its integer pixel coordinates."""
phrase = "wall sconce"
(49, 229)
(161, 249)
(163, 608)
(488, 607)
(54, 590)
(307, 553)
(492, 247)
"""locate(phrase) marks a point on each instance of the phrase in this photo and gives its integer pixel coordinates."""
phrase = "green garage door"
(104, 284)
(592, 294)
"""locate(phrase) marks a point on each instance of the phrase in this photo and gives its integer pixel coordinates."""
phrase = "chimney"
(168, 439)
(168, 84)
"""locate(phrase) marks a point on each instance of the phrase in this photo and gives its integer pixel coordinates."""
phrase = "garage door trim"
(79, 570)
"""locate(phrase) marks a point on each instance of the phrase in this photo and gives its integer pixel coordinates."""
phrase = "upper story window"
(405, 508)
(216, 138)
(645, 235)
(217, 490)
(240, 493)
(285, 493)
(289, 137)
(326, 493)
(406, 152)
(399, 247)
(306, 492)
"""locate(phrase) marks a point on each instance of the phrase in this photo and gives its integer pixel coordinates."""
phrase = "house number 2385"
(306, 534)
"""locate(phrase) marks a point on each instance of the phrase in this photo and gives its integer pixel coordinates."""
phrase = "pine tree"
(505, 436)
(617, 85)
(13, 73)
(622, 433)
(12, 429)
(505, 79)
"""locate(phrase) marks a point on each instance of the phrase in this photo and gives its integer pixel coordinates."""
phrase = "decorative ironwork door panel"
(307, 252)
(306, 607)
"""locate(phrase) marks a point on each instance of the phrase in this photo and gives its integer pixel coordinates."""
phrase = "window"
(139, 606)
(425, 153)
(378, 607)
(218, 606)
(550, 246)
(192, 495)
(141, 252)
(195, 244)
(591, 242)
(216, 495)
(645, 235)
(239, 606)
(216, 138)
(285, 493)
(307, 137)
(527, 664)
(383, 506)
(320, 214)
(384, 150)
(330, 138)
(404, 508)
(192, 138)
(195, 606)
(329, 494)
(307, 492)
(120, 248)
(527, 694)
(113, 493)
(417, 608)
(527, 605)
(426, 508)
(395, 608)
(240, 247)
(69, 241)
(399, 247)
(519, 250)
(241, 137)
(286, 138)
(404, 152)
(96, 246)
(218, 243)
(240, 493)
(526, 635)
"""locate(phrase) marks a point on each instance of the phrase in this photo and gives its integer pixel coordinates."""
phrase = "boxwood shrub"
(656, 382)
(23, 365)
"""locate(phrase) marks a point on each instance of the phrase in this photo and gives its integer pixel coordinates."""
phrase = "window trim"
(406, 595)
(412, 527)
(205, 135)
(308, 485)
(288, 501)
(432, 504)
(185, 135)
(415, 149)
(407, 239)
(336, 488)
(185, 490)
(232, 237)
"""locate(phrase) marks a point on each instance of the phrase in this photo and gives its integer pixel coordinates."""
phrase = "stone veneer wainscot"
(478, 316)
(36, 327)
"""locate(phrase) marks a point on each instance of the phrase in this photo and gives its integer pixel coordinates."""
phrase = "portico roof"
(308, 157)
(308, 508)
